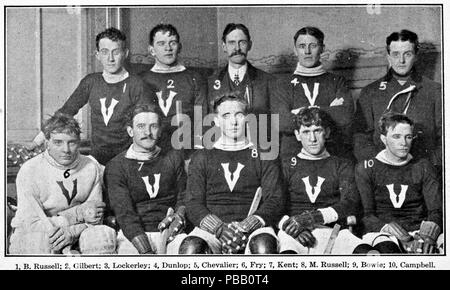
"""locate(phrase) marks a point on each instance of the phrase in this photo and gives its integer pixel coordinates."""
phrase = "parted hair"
(230, 96)
(310, 30)
(113, 34)
(391, 119)
(233, 26)
(142, 108)
(403, 35)
(61, 123)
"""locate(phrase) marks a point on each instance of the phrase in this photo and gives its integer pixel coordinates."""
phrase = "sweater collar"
(142, 156)
(307, 156)
(221, 144)
(115, 78)
(54, 163)
(157, 68)
(309, 71)
(382, 158)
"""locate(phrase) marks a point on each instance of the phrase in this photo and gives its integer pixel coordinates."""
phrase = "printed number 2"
(170, 84)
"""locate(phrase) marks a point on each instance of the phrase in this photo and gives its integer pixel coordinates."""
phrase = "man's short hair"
(113, 34)
(391, 119)
(310, 30)
(403, 35)
(230, 96)
(61, 123)
(163, 28)
(233, 26)
(142, 108)
(309, 116)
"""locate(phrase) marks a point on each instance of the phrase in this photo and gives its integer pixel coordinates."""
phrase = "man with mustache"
(173, 82)
(60, 198)
(400, 193)
(143, 183)
(401, 90)
(255, 85)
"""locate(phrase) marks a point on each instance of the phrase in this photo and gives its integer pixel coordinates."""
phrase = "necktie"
(236, 79)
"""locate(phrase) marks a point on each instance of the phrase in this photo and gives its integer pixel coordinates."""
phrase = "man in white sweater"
(59, 197)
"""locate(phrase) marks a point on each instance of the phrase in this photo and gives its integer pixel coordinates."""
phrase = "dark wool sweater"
(405, 194)
(137, 199)
(109, 104)
(212, 174)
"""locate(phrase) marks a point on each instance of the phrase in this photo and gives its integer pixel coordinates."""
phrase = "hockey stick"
(332, 239)
(165, 235)
(255, 202)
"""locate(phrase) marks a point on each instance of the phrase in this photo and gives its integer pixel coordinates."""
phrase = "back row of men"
(233, 195)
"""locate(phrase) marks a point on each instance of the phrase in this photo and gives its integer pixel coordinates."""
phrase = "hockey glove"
(306, 238)
(298, 223)
(232, 238)
(142, 244)
(175, 222)
(90, 212)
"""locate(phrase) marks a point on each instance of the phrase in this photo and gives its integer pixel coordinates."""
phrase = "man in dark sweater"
(144, 184)
(401, 196)
(175, 86)
(110, 94)
(233, 195)
(402, 90)
(322, 191)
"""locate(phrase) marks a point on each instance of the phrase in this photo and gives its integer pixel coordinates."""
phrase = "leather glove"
(230, 235)
(425, 241)
(397, 231)
(90, 212)
(306, 238)
(142, 244)
(175, 222)
(298, 223)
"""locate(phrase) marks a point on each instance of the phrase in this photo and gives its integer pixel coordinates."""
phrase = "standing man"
(233, 195)
(322, 191)
(143, 183)
(402, 90)
(310, 85)
(400, 193)
(255, 85)
(109, 94)
(173, 83)
(59, 196)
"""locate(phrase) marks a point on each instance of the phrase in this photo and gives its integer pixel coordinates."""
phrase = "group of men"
(235, 197)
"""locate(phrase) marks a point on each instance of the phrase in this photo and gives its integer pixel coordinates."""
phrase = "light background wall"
(49, 50)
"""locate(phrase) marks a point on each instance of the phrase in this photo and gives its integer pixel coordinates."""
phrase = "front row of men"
(232, 200)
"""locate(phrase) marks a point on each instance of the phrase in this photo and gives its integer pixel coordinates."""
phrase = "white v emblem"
(232, 181)
(397, 199)
(152, 189)
(107, 112)
(313, 193)
(165, 105)
(312, 99)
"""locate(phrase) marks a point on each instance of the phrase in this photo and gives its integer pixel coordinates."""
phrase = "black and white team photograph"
(224, 136)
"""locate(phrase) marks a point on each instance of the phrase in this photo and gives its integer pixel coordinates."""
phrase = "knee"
(263, 244)
(98, 239)
(388, 247)
(192, 245)
(365, 249)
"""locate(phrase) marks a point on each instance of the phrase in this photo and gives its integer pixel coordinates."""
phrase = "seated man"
(59, 195)
(322, 192)
(401, 196)
(232, 192)
(143, 183)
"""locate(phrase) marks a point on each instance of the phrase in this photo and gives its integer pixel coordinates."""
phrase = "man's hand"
(306, 238)
(91, 212)
(175, 222)
(232, 238)
(308, 220)
(60, 237)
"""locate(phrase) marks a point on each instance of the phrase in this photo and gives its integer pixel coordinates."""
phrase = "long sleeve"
(432, 193)
(437, 154)
(371, 222)
(121, 201)
(273, 199)
(78, 99)
(281, 104)
(350, 201)
(364, 148)
(178, 163)
(196, 189)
